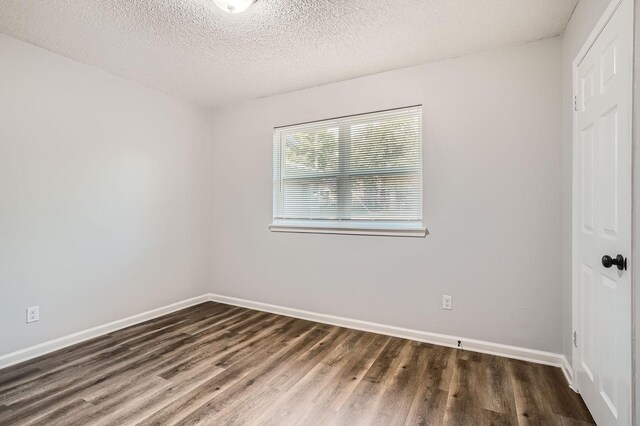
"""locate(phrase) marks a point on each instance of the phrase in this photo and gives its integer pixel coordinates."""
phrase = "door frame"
(591, 39)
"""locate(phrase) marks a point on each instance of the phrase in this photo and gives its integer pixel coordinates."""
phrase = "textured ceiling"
(193, 50)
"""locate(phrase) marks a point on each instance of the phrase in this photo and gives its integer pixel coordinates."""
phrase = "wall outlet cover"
(33, 314)
(446, 302)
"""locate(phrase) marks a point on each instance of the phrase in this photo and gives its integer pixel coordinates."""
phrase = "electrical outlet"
(446, 302)
(33, 314)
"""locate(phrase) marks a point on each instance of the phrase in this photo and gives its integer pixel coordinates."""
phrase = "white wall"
(104, 196)
(492, 203)
(582, 22)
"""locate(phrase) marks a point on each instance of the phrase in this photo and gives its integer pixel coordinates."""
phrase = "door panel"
(610, 173)
(588, 320)
(587, 179)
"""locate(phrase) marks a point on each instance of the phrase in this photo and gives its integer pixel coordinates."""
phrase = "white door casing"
(602, 217)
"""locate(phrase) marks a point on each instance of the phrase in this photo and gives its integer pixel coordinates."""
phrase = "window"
(360, 174)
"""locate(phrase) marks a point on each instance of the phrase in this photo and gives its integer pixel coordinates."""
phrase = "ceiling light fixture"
(234, 6)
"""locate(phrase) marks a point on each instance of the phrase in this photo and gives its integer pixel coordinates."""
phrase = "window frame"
(400, 228)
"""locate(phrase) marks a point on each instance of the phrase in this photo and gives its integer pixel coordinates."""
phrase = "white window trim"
(353, 227)
(390, 229)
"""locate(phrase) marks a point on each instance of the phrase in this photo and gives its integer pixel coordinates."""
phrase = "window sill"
(359, 228)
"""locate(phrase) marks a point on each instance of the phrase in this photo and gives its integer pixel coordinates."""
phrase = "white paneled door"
(602, 217)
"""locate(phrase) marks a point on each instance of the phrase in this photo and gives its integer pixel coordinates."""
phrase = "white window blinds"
(356, 171)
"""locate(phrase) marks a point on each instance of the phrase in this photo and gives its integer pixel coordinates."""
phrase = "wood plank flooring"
(221, 365)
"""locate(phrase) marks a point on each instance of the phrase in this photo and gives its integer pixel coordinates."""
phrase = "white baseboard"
(524, 354)
(71, 339)
(531, 355)
(567, 369)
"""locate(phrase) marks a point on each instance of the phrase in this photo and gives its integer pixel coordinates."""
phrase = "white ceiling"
(193, 50)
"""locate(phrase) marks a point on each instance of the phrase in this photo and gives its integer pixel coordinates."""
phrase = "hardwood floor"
(218, 364)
